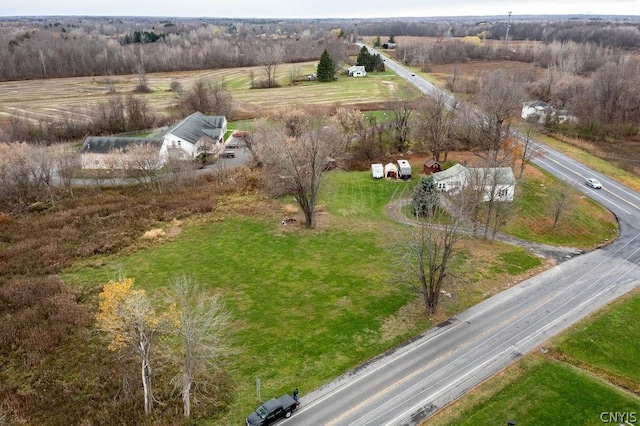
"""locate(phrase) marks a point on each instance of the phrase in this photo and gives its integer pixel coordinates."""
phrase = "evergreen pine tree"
(425, 197)
(377, 64)
(364, 58)
(325, 67)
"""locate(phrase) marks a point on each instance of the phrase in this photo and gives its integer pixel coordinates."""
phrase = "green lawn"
(585, 224)
(579, 378)
(549, 394)
(308, 305)
(609, 343)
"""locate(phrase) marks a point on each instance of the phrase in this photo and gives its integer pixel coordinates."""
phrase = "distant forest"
(51, 47)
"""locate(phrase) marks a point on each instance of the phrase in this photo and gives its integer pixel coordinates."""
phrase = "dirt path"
(558, 254)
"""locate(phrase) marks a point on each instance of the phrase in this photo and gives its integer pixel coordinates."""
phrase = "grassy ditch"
(587, 371)
(584, 224)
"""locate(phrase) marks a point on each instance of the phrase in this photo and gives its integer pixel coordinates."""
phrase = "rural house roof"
(106, 144)
(193, 127)
(452, 171)
(431, 162)
(502, 175)
(534, 104)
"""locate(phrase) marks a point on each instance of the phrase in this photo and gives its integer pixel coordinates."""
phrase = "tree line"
(623, 34)
(596, 85)
(48, 53)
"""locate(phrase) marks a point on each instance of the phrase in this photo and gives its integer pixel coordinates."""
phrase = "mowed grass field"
(591, 369)
(309, 304)
(55, 98)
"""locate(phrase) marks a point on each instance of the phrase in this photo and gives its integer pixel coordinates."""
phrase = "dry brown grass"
(46, 338)
(54, 99)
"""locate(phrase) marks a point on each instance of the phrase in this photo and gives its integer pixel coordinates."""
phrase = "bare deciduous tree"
(352, 123)
(138, 113)
(528, 150)
(66, 161)
(128, 318)
(429, 247)
(498, 98)
(207, 98)
(294, 75)
(434, 126)
(202, 343)
(559, 201)
(269, 57)
(16, 184)
(142, 163)
(41, 167)
(296, 149)
(401, 110)
(473, 192)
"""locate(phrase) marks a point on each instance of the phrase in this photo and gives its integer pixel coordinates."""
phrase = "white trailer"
(404, 169)
(377, 171)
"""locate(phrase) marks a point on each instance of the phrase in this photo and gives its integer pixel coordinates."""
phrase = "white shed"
(377, 171)
(390, 170)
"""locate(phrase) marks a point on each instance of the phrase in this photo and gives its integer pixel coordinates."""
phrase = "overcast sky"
(315, 8)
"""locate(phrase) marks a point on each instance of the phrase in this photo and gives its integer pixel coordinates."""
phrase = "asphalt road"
(408, 384)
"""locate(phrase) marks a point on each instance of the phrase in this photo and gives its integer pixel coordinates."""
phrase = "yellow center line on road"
(519, 315)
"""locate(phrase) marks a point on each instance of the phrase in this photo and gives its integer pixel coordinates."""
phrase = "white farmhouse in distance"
(542, 112)
(357, 71)
(537, 109)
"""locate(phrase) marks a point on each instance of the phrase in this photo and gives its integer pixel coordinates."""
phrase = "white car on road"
(594, 183)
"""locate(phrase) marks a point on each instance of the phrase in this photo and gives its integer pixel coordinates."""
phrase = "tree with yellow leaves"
(127, 316)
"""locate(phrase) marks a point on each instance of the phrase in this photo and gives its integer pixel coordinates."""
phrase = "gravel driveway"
(559, 254)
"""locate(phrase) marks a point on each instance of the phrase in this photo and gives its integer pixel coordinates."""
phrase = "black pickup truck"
(272, 410)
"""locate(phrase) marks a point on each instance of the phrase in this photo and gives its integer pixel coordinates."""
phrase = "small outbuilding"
(404, 169)
(431, 166)
(390, 171)
(377, 171)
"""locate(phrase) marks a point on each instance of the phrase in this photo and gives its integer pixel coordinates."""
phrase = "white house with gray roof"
(196, 134)
(499, 182)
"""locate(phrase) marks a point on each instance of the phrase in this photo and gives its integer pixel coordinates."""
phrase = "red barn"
(430, 166)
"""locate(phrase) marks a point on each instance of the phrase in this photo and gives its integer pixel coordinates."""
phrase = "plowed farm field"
(52, 99)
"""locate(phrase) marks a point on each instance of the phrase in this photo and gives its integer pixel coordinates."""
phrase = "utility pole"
(506, 37)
